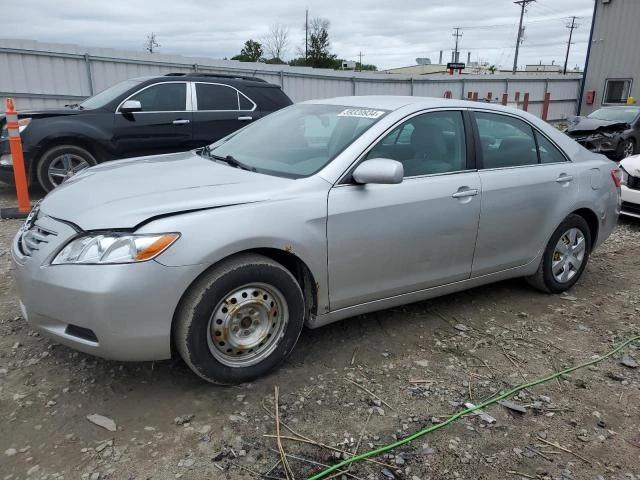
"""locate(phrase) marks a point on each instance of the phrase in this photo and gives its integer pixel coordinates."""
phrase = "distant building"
(424, 69)
(612, 71)
(543, 68)
(348, 65)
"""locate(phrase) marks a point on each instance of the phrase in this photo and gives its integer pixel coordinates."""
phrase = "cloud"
(390, 34)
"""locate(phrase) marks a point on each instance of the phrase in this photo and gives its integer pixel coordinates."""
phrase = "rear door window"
(213, 96)
(505, 141)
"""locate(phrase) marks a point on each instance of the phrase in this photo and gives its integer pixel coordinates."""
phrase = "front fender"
(296, 226)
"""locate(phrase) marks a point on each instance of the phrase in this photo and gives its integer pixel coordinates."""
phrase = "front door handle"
(467, 192)
(564, 178)
(180, 122)
(245, 119)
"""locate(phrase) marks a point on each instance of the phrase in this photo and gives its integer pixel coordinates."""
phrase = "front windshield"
(297, 141)
(105, 96)
(623, 115)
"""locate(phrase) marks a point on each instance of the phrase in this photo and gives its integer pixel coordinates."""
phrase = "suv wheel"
(61, 162)
(240, 320)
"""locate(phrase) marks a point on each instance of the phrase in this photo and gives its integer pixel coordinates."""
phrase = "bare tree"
(151, 44)
(276, 41)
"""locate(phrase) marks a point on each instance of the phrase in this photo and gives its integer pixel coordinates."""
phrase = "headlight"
(624, 176)
(22, 124)
(113, 247)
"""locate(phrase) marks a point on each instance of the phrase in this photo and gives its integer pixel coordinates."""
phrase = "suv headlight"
(114, 247)
(22, 124)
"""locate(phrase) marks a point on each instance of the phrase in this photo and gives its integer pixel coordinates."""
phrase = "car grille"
(35, 238)
(633, 182)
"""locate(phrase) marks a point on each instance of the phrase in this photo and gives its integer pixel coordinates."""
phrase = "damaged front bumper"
(600, 142)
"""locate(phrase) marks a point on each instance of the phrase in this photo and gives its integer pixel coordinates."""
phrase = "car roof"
(395, 102)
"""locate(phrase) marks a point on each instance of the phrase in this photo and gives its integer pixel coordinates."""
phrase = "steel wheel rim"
(627, 151)
(247, 324)
(568, 255)
(65, 166)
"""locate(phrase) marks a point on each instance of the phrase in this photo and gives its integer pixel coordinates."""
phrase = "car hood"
(631, 165)
(125, 193)
(580, 125)
(53, 112)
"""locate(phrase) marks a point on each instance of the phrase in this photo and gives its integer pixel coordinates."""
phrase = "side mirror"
(379, 170)
(131, 106)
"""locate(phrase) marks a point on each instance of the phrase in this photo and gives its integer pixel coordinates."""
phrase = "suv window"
(426, 144)
(163, 97)
(505, 141)
(213, 96)
(245, 103)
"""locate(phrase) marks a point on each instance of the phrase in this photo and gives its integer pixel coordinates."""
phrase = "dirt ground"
(420, 363)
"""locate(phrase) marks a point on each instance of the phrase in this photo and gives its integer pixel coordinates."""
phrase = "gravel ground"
(351, 386)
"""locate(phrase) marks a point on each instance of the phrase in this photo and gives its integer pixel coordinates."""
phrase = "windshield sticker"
(361, 113)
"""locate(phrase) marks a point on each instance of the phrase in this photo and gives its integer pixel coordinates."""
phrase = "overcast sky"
(389, 33)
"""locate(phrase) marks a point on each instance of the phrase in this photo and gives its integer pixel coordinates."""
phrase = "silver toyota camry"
(321, 211)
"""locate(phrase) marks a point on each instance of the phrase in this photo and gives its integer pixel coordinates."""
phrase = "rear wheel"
(61, 162)
(565, 256)
(240, 320)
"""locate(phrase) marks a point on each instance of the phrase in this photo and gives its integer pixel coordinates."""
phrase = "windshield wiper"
(229, 159)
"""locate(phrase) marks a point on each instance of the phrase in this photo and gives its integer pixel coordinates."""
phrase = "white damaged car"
(630, 168)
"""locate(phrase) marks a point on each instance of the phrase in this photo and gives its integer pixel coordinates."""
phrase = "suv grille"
(34, 238)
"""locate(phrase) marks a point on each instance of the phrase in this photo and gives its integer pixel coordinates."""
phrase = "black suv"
(141, 116)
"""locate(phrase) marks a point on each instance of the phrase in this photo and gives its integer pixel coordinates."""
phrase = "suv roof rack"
(214, 75)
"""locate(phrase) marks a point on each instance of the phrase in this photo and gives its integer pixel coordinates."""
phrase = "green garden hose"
(453, 418)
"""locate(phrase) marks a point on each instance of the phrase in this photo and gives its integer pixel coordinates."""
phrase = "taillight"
(616, 176)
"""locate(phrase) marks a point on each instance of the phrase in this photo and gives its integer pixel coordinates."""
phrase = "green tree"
(251, 52)
(319, 55)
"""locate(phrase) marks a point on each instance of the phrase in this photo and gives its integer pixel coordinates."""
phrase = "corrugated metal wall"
(614, 49)
(42, 75)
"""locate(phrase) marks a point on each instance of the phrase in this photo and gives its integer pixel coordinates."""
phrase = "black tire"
(626, 148)
(193, 330)
(544, 279)
(52, 155)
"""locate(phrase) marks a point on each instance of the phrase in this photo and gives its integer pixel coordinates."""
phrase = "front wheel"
(626, 148)
(565, 256)
(240, 320)
(61, 162)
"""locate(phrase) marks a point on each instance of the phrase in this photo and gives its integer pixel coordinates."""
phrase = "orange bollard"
(19, 173)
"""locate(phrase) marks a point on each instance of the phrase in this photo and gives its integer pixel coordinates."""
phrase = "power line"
(523, 4)
(571, 27)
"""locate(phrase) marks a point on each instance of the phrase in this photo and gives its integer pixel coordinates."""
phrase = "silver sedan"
(319, 212)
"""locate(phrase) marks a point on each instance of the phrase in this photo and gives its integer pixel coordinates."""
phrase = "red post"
(489, 95)
(505, 98)
(451, 71)
(545, 105)
(469, 95)
(19, 173)
(517, 98)
(525, 102)
(475, 96)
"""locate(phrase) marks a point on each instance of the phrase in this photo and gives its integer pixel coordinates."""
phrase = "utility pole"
(457, 34)
(571, 27)
(306, 37)
(360, 61)
(523, 4)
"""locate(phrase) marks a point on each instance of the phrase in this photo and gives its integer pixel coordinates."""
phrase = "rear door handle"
(469, 192)
(180, 122)
(564, 178)
(245, 119)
